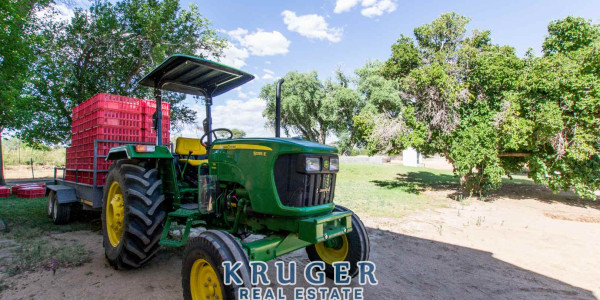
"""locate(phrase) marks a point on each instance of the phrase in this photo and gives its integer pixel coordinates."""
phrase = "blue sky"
(270, 38)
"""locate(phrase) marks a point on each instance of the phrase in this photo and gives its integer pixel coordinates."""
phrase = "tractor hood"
(280, 145)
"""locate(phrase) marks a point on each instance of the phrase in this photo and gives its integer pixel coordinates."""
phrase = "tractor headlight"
(313, 164)
(334, 164)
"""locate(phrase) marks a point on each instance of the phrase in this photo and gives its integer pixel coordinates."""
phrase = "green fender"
(128, 151)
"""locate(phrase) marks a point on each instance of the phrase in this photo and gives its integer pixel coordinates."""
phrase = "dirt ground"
(24, 172)
(510, 248)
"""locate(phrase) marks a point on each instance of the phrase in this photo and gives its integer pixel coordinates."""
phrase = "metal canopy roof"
(194, 75)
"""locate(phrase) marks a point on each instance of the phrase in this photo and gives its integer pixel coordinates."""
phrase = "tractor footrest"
(183, 213)
(171, 243)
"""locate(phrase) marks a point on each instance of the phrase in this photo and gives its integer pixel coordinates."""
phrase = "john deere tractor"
(279, 188)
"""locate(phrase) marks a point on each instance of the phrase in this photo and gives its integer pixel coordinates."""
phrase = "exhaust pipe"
(278, 108)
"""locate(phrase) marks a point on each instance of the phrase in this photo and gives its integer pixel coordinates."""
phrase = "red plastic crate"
(4, 192)
(86, 177)
(88, 136)
(107, 102)
(15, 189)
(149, 108)
(31, 192)
(147, 122)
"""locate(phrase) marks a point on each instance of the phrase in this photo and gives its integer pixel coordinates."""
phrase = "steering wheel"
(214, 133)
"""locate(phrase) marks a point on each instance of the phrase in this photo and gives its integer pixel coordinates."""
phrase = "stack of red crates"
(149, 133)
(109, 117)
(29, 190)
(4, 192)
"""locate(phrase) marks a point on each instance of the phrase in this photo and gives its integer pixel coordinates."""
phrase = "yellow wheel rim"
(204, 283)
(115, 214)
(333, 250)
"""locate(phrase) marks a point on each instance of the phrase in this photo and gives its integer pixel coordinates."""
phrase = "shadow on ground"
(517, 189)
(407, 268)
(418, 182)
(417, 268)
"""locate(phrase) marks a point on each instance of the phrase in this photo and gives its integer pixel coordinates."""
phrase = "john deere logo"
(326, 165)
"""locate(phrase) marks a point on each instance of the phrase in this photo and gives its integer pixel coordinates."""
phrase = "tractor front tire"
(133, 213)
(202, 269)
(352, 247)
(60, 213)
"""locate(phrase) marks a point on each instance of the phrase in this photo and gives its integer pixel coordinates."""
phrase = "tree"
(108, 49)
(491, 113)
(16, 54)
(455, 92)
(238, 133)
(561, 94)
(310, 107)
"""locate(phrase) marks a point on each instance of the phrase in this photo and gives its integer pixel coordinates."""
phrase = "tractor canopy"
(194, 75)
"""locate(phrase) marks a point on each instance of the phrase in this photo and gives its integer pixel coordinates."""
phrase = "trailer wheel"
(202, 270)
(50, 203)
(60, 213)
(133, 213)
(352, 247)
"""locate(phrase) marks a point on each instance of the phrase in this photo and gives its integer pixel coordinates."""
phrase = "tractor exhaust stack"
(278, 108)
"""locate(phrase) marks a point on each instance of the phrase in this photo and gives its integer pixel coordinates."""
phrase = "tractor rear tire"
(202, 260)
(357, 243)
(60, 213)
(135, 213)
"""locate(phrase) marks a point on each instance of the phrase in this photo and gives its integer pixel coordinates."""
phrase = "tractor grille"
(298, 188)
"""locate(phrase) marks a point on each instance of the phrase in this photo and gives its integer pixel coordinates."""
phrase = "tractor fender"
(128, 152)
(64, 194)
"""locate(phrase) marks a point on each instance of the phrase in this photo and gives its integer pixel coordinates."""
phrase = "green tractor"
(279, 188)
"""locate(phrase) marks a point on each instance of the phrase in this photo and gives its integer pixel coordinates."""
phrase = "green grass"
(32, 232)
(15, 152)
(393, 190)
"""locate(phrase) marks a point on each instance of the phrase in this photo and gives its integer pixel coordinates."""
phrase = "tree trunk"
(2, 181)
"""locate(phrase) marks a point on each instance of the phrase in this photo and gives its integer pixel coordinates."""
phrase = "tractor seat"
(191, 150)
(194, 162)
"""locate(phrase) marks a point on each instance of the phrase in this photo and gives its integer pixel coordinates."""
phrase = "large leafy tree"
(312, 108)
(17, 37)
(108, 48)
(491, 113)
(561, 94)
(456, 91)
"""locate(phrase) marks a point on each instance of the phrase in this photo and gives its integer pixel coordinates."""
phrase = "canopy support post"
(158, 113)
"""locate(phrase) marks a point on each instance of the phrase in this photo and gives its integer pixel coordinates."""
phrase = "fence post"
(32, 176)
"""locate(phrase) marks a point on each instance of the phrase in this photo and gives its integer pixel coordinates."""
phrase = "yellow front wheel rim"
(115, 214)
(204, 283)
(334, 250)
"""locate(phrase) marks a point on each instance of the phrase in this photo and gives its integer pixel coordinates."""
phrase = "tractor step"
(171, 243)
(189, 215)
(184, 213)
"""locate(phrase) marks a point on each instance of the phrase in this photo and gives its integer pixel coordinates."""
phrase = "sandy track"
(508, 249)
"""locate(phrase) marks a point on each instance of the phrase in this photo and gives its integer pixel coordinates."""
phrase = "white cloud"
(261, 43)
(234, 56)
(368, 2)
(372, 8)
(57, 12)
(311, 26)
(241, 93)
(378, 8)
(268, 74)
(248, 117)
(344, 5)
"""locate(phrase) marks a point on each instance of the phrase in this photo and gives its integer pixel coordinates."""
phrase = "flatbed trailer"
(89, 195)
